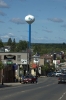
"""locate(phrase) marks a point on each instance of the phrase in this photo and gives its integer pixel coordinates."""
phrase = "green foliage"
(22, 45)
(1, 65)
(48, 48)
(1, 43)
(48, 67)
(45, 68)
(37, 48)
(9, 42)
(62, 60)
(41, 48)
(52, 67)
(13, 46)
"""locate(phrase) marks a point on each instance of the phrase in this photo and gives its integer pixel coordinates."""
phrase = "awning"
(34, 65)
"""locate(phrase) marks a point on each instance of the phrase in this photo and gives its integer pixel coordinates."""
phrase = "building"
(16, 65)
(13, 66)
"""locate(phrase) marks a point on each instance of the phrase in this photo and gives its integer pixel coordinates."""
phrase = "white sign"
(56, 61)
(23, 61)
(39, 70)
(36, 60)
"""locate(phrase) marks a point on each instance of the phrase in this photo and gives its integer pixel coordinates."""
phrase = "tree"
(1, 43)
(37, 48)
(45, 68)
(22, 45)
(13, 46)
(1, 68)
(52, 67)
(9, 42)
(1, 65)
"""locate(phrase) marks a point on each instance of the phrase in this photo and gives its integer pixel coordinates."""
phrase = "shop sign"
(9, 57)
(9, 62)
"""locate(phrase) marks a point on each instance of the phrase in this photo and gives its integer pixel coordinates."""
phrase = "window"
(18, 57)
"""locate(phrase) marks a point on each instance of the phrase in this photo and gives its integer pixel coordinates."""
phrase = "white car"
(58, 74)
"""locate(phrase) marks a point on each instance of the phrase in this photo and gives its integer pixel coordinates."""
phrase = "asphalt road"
(46, 89)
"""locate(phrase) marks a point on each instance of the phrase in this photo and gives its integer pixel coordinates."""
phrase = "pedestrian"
(22, 77)
(36, 78)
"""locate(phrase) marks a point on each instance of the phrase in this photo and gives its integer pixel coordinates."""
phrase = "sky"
(49, 25)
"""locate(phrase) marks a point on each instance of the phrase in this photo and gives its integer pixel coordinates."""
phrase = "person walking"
(22, 78)
(36, 78)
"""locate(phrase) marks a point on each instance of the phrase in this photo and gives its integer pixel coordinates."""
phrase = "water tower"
(29, 19)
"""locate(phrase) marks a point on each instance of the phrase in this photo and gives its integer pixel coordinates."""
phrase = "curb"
(42, 76)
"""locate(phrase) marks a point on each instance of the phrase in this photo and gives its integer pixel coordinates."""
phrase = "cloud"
(1, 21)
(58, 20)
(3, 4)
(9, 35)
(18, 21)
(48, 31)
(5, 37)
(2, 13)
(10, 28)
(64, 26)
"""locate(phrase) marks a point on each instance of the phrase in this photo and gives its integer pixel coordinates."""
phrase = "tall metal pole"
(29, 45)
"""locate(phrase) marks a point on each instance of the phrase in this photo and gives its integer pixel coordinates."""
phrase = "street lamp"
(29, 19)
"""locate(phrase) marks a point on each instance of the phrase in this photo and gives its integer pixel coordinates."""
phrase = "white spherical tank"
(29, 19)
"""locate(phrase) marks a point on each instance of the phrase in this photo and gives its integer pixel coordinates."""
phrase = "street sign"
(9, 62)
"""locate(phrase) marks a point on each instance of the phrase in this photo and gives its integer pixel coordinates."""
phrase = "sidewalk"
(42, 76)
(9, 84)
(13, 84)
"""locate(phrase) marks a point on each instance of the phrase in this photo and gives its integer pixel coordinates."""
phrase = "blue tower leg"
(29, 45)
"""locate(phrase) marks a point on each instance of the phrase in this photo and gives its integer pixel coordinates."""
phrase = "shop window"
(18, 57)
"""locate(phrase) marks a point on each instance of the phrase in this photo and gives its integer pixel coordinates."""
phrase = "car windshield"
(58, 72)
(28, 76)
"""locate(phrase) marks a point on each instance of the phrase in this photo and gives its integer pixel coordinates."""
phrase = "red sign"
(34, 65)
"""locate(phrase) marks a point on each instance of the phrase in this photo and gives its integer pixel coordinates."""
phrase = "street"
(46, 89)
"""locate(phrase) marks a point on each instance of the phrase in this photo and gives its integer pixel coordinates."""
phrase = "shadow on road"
(3, 86)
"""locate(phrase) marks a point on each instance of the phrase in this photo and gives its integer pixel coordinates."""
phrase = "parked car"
(54, 73)
(50, 74)
(62, 79)
(29, 79)
(63, 70)
(58, 73)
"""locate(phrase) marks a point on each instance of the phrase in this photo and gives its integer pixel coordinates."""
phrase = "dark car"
(50, 74)
(62, 79)
(29, 79)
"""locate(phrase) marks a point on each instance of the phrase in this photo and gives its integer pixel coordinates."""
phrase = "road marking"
(7, 88)
(16, 93)
(62, 96)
